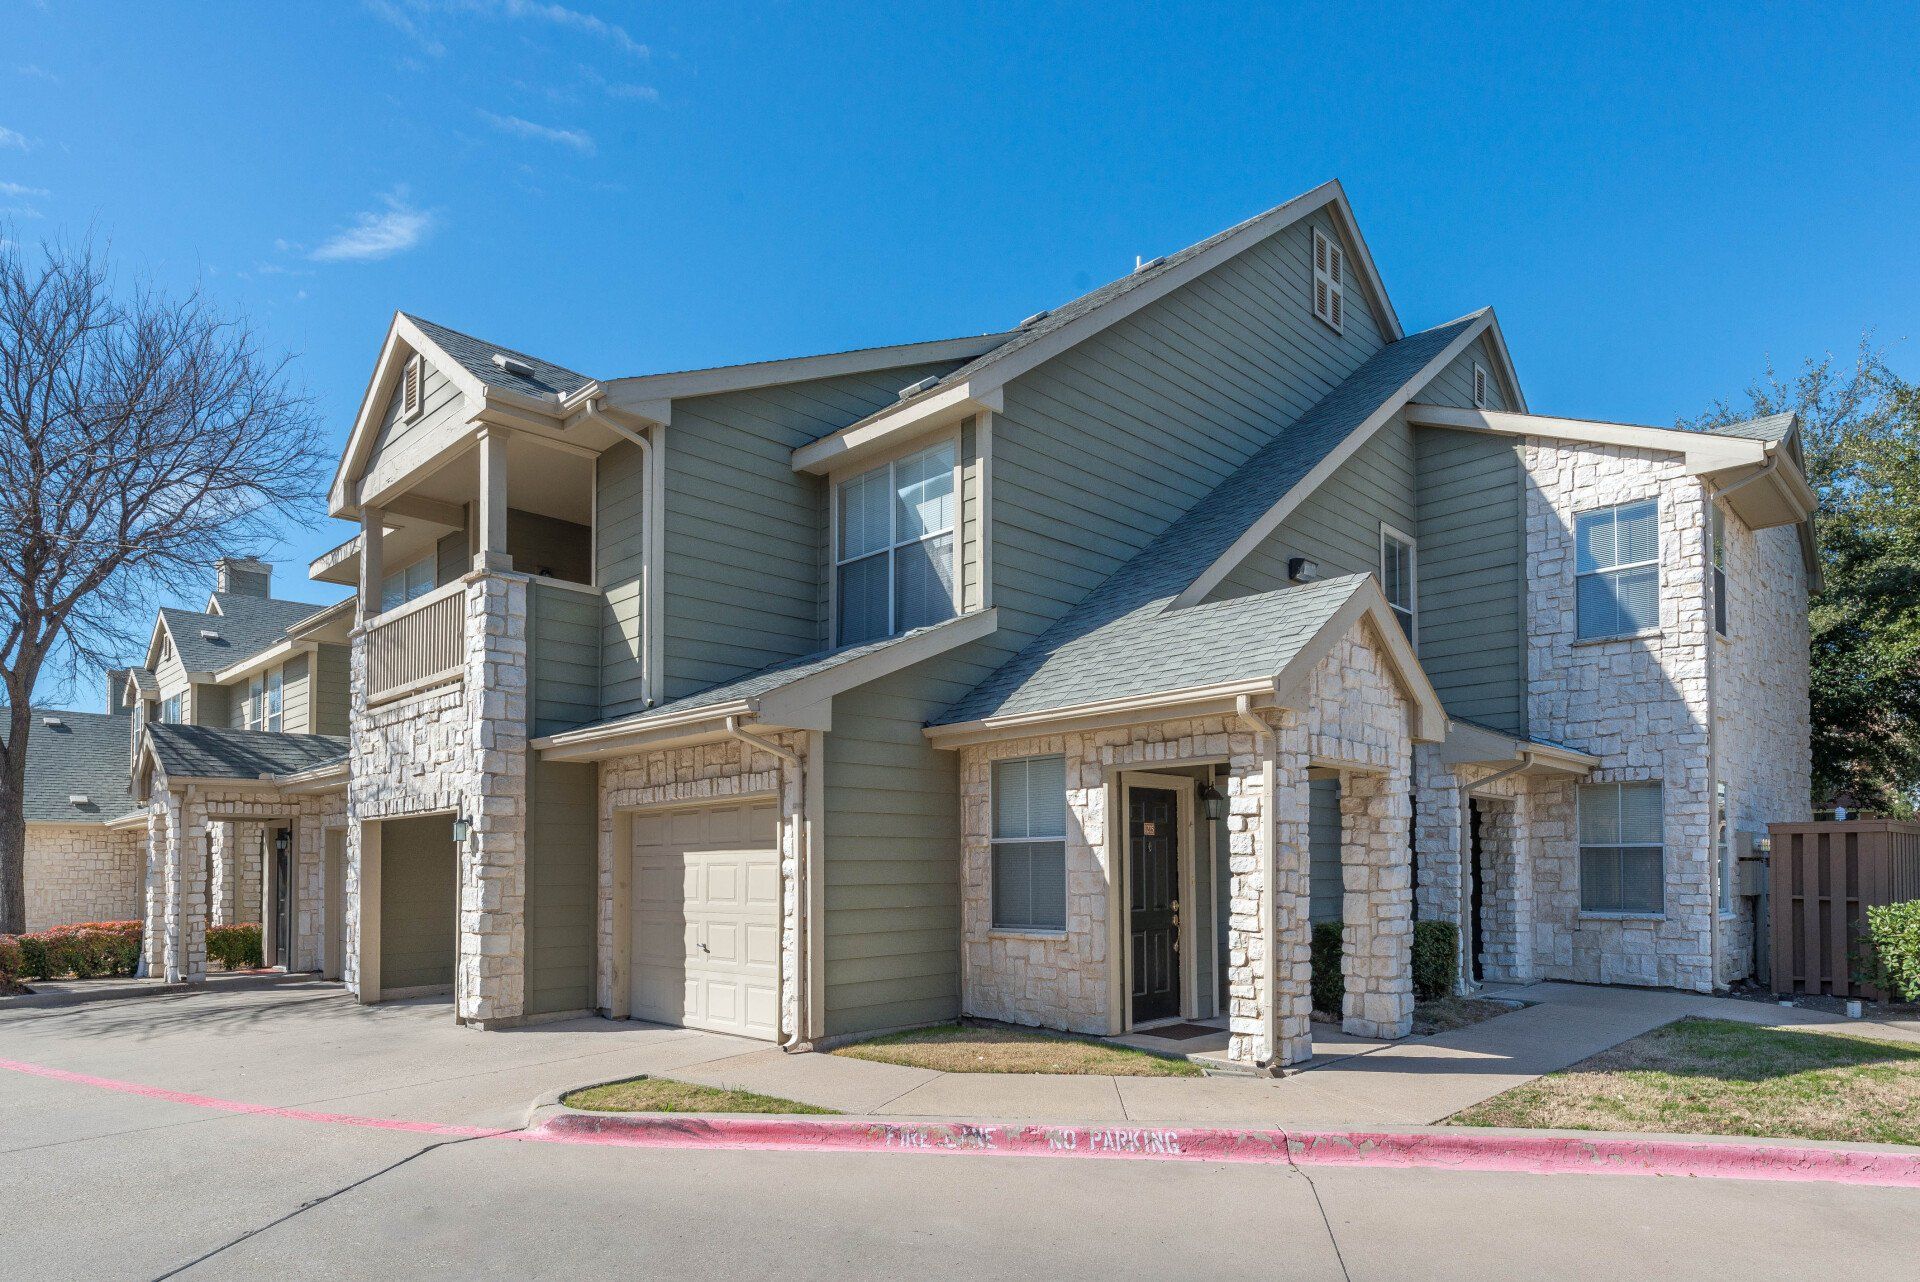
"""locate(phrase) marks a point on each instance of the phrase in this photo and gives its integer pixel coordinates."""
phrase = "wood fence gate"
(1822, 880)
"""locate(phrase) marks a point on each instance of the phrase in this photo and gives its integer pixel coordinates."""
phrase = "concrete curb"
(1455, 1150)
(109, 990)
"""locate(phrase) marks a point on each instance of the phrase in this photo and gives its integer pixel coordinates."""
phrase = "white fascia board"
(634, 733)
(1256, 534)
(635, 392)
(1292, 686)
(807, 703)
(1703, 452)
(872, 435)
(264, 659)
(1192, 701)
(341, 501)
(315, 780)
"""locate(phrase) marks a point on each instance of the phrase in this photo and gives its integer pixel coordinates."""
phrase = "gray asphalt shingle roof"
(246, 626)
(85, 755)
(1770, 427)
(1116, 625)
(216, 752)
(476, 357)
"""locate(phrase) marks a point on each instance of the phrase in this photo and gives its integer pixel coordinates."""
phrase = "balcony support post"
(493, 500)
(372, 564)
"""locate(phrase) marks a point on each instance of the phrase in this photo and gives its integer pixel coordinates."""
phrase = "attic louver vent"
(914, 389)
(1329, 281)
(513, 365)
(1035, 319)
(1479, 386)
(410, 389)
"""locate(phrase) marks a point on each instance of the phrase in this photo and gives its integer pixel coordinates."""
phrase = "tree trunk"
(13, 824)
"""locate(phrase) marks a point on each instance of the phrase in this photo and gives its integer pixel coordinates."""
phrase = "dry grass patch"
(1445, 1014)
(956, 1048)
(1722, 1077)
(664, 1095)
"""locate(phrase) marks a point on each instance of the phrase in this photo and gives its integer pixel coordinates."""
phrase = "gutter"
(614, 736)
(795, 1039)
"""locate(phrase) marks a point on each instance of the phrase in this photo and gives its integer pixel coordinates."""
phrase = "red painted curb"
(1466, 1151)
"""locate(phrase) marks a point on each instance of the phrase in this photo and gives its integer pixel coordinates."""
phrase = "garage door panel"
(706, 912)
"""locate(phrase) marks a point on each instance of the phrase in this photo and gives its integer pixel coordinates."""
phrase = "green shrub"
(86, 950)
(1329, 985)
(235, 947)
(13, 962)
(1895, 931)
(1436, 946)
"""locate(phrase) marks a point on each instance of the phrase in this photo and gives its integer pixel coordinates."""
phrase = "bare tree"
(140, 439)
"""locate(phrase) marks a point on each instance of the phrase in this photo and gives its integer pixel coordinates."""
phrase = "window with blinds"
(894, 549)
(1030, 843)
(1329, 280)
(1396, 576)
(1622, 849)
(1617, 570)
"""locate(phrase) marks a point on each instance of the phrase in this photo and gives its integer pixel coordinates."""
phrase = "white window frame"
(252, 701)
(995, 841)
(1723, 844)
(274, 706)
(1717, 536)
(1618, 568)
(839, 478)
(1479, 386)
(1412, 610)
(413, 388)
(172, 710)
(1580, 849)
(1329, 288)
(430, 559)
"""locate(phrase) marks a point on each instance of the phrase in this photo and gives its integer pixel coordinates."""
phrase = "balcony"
(419, 645)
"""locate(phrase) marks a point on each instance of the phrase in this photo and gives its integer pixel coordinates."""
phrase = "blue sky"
(1655, 202)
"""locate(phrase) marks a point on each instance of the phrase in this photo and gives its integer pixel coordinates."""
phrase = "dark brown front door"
(1153, 821)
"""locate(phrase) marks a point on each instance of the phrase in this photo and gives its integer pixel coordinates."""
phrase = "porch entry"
(1161, 901)
(419, 906)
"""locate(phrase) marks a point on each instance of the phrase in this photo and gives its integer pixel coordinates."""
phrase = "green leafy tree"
(1860, 431)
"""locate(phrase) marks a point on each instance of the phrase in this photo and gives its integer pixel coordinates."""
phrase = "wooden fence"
(1823, 878)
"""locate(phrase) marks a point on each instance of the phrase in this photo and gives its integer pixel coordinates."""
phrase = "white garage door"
(706, 919)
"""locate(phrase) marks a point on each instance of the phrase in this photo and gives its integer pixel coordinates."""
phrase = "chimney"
(243, 576)
(117, 692)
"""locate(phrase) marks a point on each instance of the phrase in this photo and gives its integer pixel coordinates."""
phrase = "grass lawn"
(1721, 1077)
(664, 1095)
(1445, 1014)
(956, 1048)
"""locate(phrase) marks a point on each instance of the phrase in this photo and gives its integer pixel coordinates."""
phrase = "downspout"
(797, 836)
(1465, 959)
(649, 540)
(1269, 883)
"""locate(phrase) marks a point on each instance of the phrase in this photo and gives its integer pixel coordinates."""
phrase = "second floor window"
(1719, 571)
(170, 711)
(1617, 569)
(264, 701)
(403, 585)
(1396, 576)
(894, 548)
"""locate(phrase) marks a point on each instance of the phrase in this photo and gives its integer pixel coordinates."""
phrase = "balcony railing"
(417, 645)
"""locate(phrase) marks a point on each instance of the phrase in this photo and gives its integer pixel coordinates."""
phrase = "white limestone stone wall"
(84, 872)
(727, 770)
(460, 749)
(1761, 744)
(1639, 704)
(1445, 885)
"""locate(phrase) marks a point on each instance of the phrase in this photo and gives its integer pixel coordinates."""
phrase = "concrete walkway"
(1349, 1082)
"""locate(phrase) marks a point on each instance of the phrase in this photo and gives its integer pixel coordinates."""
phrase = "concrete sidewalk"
(1413, 1082)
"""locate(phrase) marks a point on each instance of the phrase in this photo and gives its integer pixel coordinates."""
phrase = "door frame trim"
(1186, 788)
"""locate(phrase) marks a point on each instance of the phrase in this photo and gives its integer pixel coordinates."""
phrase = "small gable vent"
(513, 365)
(914, 389)
(1479, 386)
(1035, 319)
(1329, 281)
(410, 389)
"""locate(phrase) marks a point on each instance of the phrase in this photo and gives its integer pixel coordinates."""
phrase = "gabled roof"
(1770, 427)
(977, 384)
(215, 752)
(1266, 643)
(85, 755)
(475, 355)
(246, 627)
(1115, 616)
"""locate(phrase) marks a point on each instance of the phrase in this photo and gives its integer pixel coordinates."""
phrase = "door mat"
(1182, 1032)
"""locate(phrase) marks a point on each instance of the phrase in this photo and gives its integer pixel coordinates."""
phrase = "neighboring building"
(1062, 676)
(86, 856)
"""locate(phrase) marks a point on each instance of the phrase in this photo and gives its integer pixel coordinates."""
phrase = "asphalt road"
(107, 1185)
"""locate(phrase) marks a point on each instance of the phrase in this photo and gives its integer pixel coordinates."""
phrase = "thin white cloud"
(560, 16)
(13, 138)
(378, 233)
(37, 73)
(578, 139)
(15, 191)
(402, 21)
(411, 17)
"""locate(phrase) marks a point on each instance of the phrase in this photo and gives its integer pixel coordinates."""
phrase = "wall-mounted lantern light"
(462, 829)
(1213, 802)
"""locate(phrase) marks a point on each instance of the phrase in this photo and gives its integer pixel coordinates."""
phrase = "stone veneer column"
(153, 934)
(185, 929)
(1268, 1025)
(223, 893)
(1507, 951)
(1437, 819)
(1376, 867)
(490, 981)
